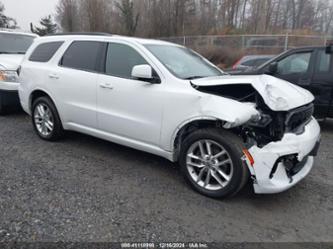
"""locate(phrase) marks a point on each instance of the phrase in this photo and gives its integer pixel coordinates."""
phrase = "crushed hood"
(278, 95)
(10, 61)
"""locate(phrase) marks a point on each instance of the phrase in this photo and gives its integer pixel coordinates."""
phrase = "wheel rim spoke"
(202, 171)
(192, 156)
(207, 178)
(224, 175)
(202, 152)
(196, 165)
(209, 148)
(218, 179)
(48, 125)
(224, 162)
(223, 152)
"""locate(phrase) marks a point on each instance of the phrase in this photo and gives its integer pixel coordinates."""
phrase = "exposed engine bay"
(269, 126)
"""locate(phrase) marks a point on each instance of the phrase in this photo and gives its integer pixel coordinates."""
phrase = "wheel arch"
(36, 94)
(42, 93)
(189, 126)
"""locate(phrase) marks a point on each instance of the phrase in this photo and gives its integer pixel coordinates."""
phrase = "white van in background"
(13, 46)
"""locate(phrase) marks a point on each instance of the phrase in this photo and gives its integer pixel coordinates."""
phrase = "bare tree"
(156, 18)
(67, 15)
(130, 19)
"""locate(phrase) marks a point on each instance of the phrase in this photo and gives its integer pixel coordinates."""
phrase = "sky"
(27, 11)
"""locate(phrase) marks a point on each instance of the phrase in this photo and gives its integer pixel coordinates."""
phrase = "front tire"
(211, 161)
(45, 119)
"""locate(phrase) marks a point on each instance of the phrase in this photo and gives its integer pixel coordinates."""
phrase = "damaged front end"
(282, 139)
(276, 115)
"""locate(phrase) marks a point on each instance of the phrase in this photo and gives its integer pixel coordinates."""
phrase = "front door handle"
(53, 76)
(106, 86)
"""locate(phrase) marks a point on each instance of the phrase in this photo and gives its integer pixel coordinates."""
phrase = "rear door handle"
(106, 86)
(53, 76)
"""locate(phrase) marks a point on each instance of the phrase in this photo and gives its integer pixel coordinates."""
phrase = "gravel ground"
(86, 189)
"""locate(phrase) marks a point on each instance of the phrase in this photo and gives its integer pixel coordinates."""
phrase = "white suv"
(13, 46)
(165, 99)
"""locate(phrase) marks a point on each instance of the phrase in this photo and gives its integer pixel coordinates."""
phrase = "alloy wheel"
(44, 120)
(209, 165)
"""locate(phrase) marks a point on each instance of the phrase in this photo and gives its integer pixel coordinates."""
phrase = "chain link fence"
(226, 49)
(249, 42)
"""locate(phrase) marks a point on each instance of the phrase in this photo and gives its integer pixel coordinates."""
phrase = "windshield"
(183, 62)
(14, 44)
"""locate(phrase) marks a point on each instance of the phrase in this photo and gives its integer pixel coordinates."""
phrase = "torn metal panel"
(278, 95)
(232, 112)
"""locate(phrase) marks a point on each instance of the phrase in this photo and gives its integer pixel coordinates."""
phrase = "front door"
(296, 68)
(127, 107)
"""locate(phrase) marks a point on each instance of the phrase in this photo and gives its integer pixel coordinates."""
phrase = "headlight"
(8, 76)
(261, 120)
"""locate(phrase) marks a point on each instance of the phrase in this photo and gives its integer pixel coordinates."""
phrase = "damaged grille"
(298, 118)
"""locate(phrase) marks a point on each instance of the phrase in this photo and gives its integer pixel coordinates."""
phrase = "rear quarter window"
(45, 51)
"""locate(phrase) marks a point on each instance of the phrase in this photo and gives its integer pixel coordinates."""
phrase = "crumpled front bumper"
(270, 174)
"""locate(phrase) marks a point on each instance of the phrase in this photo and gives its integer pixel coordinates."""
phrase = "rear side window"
(44, 52)
(85, 55)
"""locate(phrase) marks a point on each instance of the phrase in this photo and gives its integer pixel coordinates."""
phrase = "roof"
(102, 37)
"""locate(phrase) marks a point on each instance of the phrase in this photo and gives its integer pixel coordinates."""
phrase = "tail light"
(236, 64)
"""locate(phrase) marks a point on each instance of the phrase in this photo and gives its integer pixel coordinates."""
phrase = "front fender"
(232, 112)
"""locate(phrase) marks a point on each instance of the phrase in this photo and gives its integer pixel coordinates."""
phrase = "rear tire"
(46, 120)
(211, 161)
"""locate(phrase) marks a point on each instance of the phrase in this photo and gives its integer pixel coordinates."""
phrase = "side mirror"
(144, 72)
(272, 68)
(329, 49)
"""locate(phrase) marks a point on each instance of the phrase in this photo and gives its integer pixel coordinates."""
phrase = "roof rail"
(80, 33)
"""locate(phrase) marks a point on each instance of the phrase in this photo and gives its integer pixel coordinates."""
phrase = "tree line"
(162, 18)
(5, 21)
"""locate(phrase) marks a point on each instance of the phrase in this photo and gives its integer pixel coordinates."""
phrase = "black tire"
(2, 108)
(234, 147)
(58, 130)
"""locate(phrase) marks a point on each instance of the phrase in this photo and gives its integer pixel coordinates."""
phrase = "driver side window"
(121, 59)
(295, 63)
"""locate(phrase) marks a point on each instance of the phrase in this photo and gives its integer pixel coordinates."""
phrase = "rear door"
(322, 83)
(74, 82)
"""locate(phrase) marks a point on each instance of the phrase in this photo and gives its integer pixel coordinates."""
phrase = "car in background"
(13, 46)
(308, 67)
(250, 62)
(262, 42)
